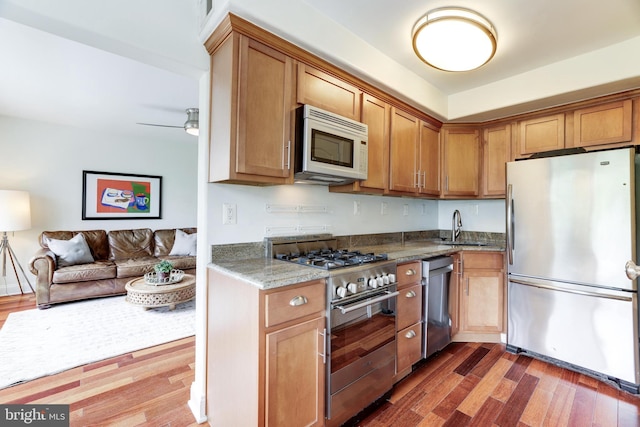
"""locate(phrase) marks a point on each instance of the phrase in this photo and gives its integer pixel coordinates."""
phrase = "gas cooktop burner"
(330, 259)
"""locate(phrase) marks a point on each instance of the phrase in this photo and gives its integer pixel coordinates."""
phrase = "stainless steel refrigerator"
(571, 229)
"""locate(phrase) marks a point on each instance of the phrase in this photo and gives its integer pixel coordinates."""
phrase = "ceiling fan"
(191, 126)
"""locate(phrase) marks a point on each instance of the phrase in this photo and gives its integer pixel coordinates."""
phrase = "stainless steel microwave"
(330, 149)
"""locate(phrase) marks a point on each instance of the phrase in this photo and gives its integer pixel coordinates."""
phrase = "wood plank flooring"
(149, 387)
(469, 384)
(476, 384)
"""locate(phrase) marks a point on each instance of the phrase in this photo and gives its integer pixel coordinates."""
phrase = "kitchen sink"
(463, 243)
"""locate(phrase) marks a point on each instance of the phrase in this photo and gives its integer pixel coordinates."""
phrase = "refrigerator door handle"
(571, 291)
(510, 237)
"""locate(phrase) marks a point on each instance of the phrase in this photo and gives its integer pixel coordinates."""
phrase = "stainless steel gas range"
(361, 328)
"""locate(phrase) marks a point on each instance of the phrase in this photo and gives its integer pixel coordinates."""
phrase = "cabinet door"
(409, 306)
(461, 162)
(324, 91)
(541, 134)
(295, 376)
(604, 124)
(482, 301)
(495, 155)
(409, 345)
(403, 151)
(265, 110)
(376, 115)
(429, 165)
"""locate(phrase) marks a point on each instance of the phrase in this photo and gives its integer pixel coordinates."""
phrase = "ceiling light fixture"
(454, 39)
(191, 126)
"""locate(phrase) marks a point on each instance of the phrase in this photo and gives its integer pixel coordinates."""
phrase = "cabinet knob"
(410, 334)
(299, 300)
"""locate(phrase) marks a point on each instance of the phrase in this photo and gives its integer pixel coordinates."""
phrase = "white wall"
(47, 161)
(477, 215)
(254, 221)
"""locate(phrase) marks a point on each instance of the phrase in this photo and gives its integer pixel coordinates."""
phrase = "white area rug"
(35, 343)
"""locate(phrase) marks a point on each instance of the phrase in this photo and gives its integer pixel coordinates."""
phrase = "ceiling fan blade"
(162, 126)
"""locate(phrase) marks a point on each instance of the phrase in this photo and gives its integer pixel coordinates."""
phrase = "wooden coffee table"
(149, 296)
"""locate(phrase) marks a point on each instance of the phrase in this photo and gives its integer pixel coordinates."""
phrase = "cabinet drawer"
(409, 273)
(486, 260)
(409, 346)
(293, 303)
(409, 306)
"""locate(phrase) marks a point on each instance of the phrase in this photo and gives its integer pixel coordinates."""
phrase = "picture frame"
(111, 195)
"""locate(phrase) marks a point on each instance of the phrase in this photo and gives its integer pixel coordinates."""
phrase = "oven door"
(362, 352)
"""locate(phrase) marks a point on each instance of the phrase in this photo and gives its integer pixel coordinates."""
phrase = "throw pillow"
(71, 252)
(184, 244)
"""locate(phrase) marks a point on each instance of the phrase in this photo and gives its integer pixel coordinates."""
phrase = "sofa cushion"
(97, 270)
(70, 252)
(180, 262)
(127, 244)
(164, 240)
(96, 239)
(135, 267)
(184, 244)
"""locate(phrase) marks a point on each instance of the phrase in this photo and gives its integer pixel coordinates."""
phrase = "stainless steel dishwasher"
(436, 274)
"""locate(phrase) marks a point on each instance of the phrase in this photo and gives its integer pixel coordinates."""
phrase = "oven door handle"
(347, 309)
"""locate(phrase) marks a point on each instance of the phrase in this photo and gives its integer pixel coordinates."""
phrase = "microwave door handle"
(347, 309)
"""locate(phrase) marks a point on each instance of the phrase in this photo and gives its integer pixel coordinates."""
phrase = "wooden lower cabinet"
(408, 317)
(479, 283)
(409, 347)
(295, 375)
(259, 375)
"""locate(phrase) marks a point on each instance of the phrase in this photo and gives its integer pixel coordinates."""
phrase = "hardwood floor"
(149, 387)
(482, 385)
(464, 385)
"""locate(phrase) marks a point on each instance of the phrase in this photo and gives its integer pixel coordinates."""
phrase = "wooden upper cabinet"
(324, 91)
(405, 135)
(252, 113)
(495, 154)
(603, 124)
(541, 134)
(429, 165)
(461, 162)
(376, 115)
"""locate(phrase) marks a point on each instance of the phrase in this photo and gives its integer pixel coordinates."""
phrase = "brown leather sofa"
(118, 257)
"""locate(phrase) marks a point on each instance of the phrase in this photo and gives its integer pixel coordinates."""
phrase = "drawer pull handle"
(410, 334)
(410, 272)
(410, 294)
(299, 300)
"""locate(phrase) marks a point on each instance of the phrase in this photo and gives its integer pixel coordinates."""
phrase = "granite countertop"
(267, 273)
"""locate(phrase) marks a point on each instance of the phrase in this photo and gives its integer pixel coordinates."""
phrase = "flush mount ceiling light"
(454, 39)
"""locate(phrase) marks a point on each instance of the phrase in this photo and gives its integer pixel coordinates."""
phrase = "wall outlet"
(229, 215)
(405, 210)
(383, 208)
(356, 208)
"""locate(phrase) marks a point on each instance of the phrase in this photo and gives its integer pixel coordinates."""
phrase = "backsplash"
(251, 250)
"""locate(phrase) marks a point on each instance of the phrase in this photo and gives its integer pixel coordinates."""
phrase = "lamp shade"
(15, 210)
(454, 39)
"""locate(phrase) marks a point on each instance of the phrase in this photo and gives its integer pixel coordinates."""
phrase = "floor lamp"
(15, 215)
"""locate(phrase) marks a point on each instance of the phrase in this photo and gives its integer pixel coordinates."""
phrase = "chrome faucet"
(456, 226)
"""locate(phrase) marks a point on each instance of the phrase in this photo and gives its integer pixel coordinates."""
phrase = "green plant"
(163, 267)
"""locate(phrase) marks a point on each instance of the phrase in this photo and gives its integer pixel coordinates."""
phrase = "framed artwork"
(107, 195)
